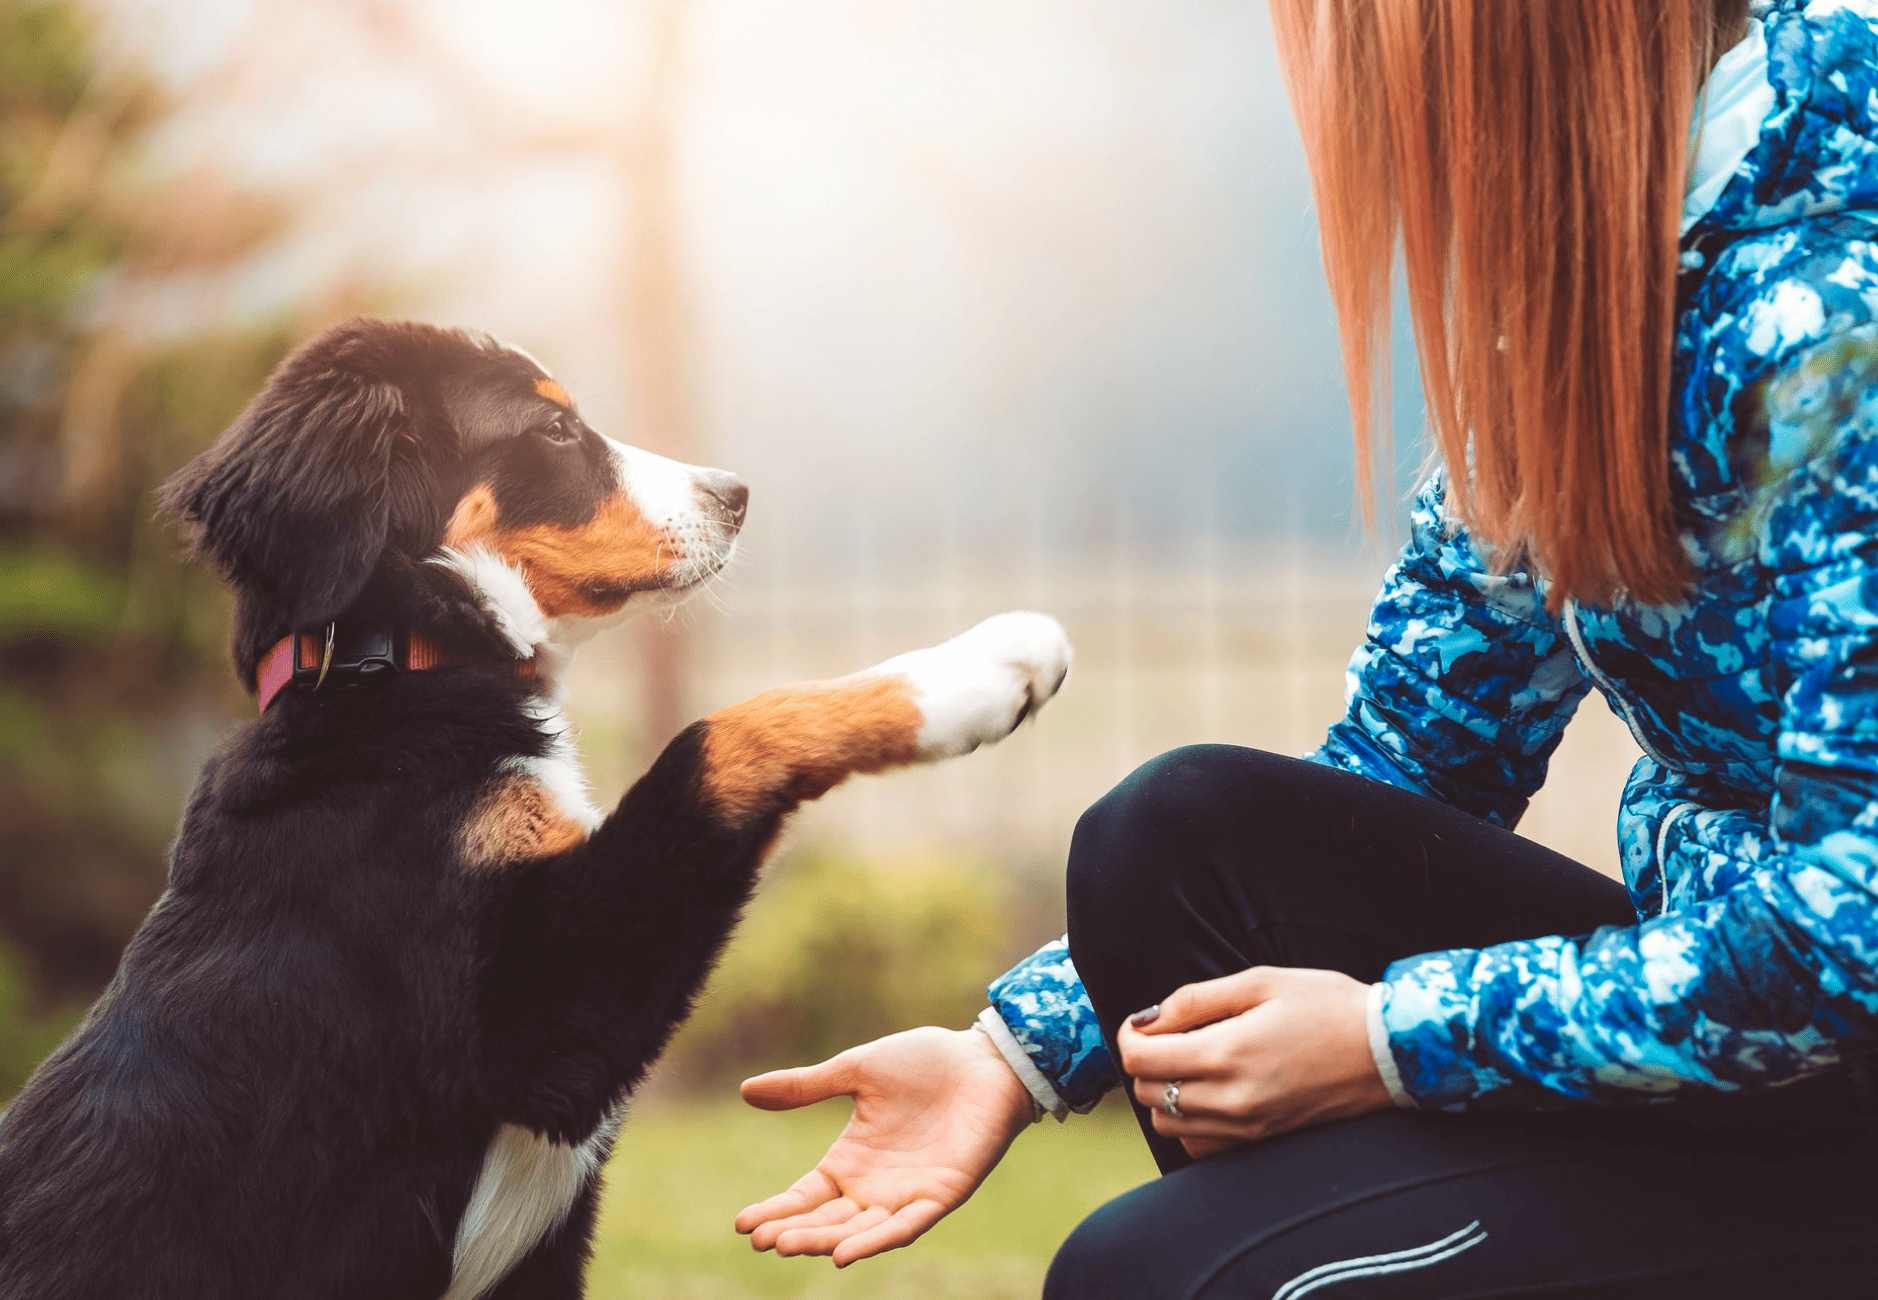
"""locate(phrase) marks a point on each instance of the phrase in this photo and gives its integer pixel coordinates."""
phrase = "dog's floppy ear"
(293, 502)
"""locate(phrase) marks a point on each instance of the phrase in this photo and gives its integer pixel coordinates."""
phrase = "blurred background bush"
(837, 952)
(994, 303)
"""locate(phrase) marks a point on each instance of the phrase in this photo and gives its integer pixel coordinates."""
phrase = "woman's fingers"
(1201, 1029)
(1273, 1049)
(1197, 1054)
(802, 1086)
(813, 1239)
(770, 1235)
(902, 1229)
(1166, 1057)
(1204, 1113)
(813, 1197)
(1200, 1099)
(812, 1189)
(1192, 1005)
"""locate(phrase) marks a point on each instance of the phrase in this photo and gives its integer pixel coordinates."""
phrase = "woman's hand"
(934, 1112)
(1256, 1053)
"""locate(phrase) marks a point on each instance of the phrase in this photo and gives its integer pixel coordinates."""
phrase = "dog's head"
(380, 445)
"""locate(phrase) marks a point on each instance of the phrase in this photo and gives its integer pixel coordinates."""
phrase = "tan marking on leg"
(516, 821)
(554, 393)
(788, 746)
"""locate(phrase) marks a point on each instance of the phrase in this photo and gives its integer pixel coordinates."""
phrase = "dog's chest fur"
(528, 1183)
(526, 1188)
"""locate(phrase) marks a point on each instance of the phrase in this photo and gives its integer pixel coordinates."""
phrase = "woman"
(1641, 244)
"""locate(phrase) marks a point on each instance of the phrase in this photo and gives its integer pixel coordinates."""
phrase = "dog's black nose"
(728, 491)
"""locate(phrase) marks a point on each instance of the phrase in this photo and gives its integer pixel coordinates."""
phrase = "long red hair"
(1528, 157)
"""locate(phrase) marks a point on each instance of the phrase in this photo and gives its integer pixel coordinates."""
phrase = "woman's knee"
(1161, 820)
(1113, 1255)
(1141, 854)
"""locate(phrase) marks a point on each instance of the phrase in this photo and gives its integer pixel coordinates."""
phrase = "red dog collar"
(336, 654)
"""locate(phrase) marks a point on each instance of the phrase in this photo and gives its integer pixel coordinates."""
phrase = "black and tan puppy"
(374, 1039)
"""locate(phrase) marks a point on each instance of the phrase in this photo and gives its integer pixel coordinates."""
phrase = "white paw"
(975, 689)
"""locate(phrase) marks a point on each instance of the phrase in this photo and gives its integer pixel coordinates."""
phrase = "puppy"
(374, 1038)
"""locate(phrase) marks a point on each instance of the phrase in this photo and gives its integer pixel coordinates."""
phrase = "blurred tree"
(109, 650)
(655, 296)
(659, 334)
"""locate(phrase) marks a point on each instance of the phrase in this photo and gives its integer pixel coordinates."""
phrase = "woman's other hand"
(1256, 1053)
(934, 1112)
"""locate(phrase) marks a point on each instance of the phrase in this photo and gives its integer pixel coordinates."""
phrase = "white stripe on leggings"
(1396, 1261)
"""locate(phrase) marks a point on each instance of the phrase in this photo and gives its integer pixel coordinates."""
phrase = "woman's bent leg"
(1211, 859)
(1594, 1206)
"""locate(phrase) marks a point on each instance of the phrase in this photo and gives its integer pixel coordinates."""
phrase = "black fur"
(289, 1086)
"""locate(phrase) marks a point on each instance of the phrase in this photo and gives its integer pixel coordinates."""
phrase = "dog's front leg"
(606, 944)
(760, 759)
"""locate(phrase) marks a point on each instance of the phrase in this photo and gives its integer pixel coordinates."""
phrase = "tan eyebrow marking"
(554, 393)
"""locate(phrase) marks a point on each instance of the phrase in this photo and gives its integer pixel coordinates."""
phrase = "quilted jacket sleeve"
(1777, 977)
(1461, 691)
(1464, 683)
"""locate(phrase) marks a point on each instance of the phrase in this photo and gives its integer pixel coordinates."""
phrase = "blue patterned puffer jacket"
(1749, 830)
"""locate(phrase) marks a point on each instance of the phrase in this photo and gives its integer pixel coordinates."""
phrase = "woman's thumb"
(802, 1086)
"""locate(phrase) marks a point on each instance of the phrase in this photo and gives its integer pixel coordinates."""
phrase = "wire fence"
(1245, 648)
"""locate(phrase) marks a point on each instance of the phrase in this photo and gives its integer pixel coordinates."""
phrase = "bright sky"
(952, 265)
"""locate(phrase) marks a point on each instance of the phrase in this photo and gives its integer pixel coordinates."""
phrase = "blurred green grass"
(683, 1168)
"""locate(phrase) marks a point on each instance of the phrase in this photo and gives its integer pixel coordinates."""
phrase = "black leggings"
(1211, 859)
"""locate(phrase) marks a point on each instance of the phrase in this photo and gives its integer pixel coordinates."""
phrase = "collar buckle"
(345, 655)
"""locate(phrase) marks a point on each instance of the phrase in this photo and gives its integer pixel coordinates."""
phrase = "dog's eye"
(557, 430)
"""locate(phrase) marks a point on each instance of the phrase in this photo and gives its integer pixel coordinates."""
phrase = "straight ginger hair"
(1529, 158)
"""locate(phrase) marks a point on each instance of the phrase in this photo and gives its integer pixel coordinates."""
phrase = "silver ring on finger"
(1170, 1099)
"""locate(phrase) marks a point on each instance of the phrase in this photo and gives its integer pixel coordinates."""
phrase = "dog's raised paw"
(974, 689)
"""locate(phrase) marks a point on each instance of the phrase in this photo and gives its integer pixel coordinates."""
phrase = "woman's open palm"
(934, 1112)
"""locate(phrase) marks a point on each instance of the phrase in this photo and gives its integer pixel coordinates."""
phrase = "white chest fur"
(528, 1184)
(526, 1188)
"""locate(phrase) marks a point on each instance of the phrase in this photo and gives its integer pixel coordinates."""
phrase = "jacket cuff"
(1043, 1098)
(1427, 1020)
(1380, 1050)
(1045, 1009)
(1429, 1016)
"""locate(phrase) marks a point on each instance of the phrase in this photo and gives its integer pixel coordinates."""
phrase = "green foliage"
(45, 594)
(43, 54)
(834, 953)
(39, 273)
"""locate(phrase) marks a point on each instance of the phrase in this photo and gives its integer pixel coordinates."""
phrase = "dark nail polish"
(1147, 1017)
